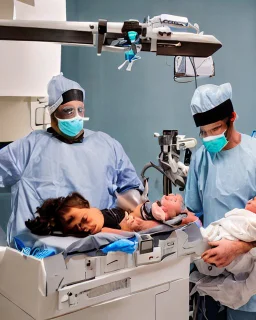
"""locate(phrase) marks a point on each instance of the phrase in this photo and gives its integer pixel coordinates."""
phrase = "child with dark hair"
(72, 215)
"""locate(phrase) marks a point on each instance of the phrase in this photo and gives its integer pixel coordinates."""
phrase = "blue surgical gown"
(40, 166)
(221, 182)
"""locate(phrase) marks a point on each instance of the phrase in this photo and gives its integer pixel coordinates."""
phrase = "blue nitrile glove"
(41, 253)
(36, 252)
(124, 245)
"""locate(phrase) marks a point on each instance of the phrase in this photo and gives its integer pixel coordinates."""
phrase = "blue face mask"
(70, 127)
(215, 144)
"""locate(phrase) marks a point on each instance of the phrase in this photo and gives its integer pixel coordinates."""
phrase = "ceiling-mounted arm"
(102, 30)
(81, 33)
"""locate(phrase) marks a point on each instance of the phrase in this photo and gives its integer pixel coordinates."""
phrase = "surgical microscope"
(174, 172)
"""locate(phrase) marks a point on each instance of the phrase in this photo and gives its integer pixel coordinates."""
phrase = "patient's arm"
(133, 223)
(136, 212)
(110, 230)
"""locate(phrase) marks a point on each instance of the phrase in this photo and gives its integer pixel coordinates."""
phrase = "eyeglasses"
(212, 132)
(69, 112)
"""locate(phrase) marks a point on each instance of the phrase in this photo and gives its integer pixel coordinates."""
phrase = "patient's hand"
(139, 224)
(191, 217)
(136, 224)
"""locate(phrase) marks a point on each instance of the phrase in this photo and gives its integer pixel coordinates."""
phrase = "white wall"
(26, 67)
(14, 118)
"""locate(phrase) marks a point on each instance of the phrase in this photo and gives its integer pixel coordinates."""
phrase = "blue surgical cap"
(211, 103)
(57, 87)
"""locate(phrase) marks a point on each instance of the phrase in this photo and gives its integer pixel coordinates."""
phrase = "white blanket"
(238, 224)
(234, 285)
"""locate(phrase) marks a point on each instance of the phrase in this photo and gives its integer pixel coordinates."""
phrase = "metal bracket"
(102, 29)
(39, 115)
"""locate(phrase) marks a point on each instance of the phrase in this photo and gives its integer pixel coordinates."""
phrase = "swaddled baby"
(233, 285)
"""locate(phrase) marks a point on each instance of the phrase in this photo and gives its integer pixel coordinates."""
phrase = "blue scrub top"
(40, 166)
(219, 183)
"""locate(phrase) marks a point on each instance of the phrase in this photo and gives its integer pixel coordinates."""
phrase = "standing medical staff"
(65, 158)
(222, 175)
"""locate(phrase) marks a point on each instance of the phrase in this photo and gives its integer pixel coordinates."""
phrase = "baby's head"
(172, 205)
(68, 215)
(251, 205)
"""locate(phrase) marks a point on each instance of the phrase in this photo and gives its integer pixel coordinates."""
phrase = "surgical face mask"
(71, 127)
(215, 144)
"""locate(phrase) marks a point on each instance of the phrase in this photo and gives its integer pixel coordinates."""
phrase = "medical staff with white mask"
(222, 176)
(63, 159)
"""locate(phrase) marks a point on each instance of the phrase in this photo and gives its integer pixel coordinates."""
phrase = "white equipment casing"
(186, 68)
(96, 288)
(26, 68)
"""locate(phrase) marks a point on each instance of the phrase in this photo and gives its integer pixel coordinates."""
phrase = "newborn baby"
(165, 209)
(74, 216)
(238, 224)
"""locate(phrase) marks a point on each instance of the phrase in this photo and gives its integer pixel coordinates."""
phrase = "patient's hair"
(47, 221)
